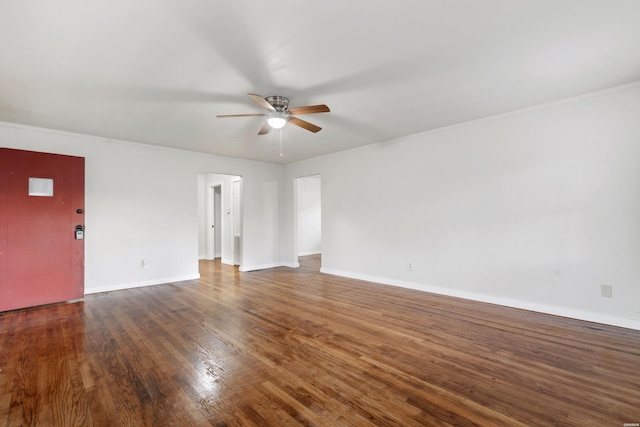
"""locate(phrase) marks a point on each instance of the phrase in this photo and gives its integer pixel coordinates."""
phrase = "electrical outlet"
(144, 263)
(409, 266)
(606, 291)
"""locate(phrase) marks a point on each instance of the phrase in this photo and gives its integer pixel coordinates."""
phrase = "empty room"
(284, 213)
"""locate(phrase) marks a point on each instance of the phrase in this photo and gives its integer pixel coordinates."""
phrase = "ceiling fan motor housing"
(280, 103)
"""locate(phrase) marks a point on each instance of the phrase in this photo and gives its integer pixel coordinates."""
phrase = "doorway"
(220, 218)
(214, 223)
(308, 240)
(41, 228)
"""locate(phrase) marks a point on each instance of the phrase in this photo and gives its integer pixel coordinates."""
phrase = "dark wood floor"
(295, 347)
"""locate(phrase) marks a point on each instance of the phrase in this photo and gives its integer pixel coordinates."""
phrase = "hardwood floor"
(295, 347)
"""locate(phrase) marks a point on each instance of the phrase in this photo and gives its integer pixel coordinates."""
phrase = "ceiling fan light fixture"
(278, 113)
(277, 122)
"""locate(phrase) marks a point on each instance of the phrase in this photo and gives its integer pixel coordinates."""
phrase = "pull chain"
(280, 142)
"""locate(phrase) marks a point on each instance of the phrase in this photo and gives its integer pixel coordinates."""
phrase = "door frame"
(229, 211)
(296, 214)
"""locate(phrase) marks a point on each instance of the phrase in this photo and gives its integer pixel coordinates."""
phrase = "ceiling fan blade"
(261, 101)
(222, 116)
(265, 129)
(305, 125)
(310, 109)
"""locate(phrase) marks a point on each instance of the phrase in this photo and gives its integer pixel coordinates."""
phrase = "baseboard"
(245, 268)
(507, 302)
(291, 264)
(123, 286)
(226, 261)
(310, 253)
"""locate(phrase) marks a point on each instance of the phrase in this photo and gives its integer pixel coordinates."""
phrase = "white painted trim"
(124, 286)
(259, 267)
(310, 253)
(268, 266)
(507, 302)
(227, 261)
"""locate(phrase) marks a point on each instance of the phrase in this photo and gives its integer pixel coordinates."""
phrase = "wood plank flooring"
(288, 347)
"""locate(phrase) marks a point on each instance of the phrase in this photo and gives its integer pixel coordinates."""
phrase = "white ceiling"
(159, 71)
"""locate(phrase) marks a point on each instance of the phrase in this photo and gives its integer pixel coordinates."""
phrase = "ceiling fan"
(278, 113)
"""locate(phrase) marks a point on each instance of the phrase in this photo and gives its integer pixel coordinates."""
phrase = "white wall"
(309, 225)
(534, 209)
(141, 203)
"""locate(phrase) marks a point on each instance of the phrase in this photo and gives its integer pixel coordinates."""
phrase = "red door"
(41, 204)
